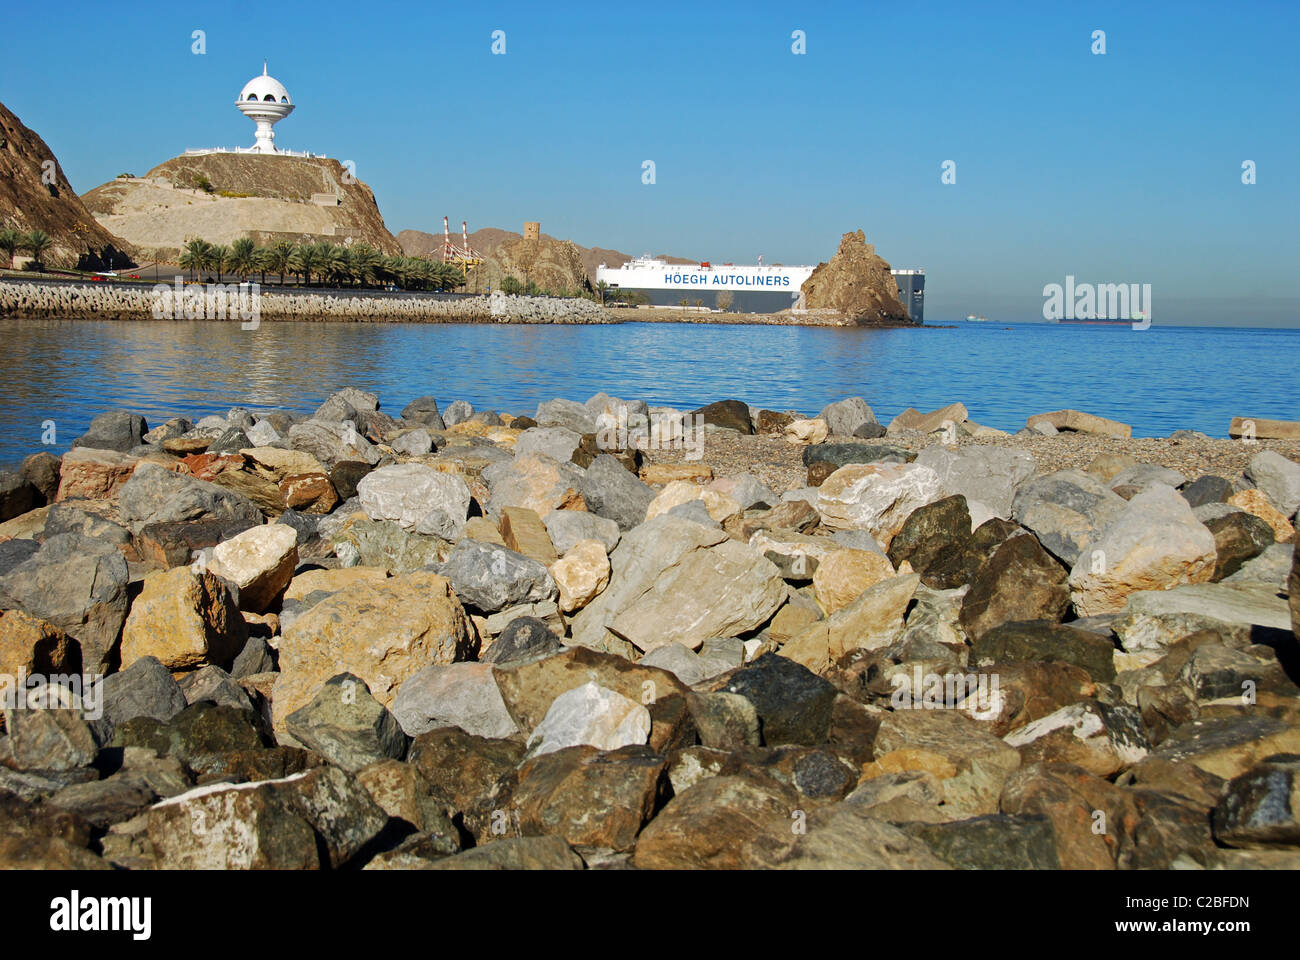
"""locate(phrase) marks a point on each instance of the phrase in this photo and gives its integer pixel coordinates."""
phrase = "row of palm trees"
(329, 264)
(36, 242)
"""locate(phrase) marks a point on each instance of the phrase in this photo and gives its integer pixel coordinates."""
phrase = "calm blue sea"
(1158, 380)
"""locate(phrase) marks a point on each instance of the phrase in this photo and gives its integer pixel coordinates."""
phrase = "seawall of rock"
(78, 302)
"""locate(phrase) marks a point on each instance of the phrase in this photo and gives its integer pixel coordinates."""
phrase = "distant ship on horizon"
(971, 318)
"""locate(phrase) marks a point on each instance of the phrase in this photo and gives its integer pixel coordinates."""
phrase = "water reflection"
(1157, 380)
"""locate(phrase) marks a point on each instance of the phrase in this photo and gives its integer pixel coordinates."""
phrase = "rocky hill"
(27, 203)
(223, 196)
(856, 284)
(564, 264)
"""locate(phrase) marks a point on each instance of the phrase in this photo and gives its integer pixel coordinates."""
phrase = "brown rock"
(31, 644)
(381, 631)
(1255, 502)
(522, 531)
(309, 492)
(1021, 581)
(721, 823)
(184, 619)
(661, 473)
(92, 474)
(173, 543)
(529, 689)
(589, 798)
(842, 575)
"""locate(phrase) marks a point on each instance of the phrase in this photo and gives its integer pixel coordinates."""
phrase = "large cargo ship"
(759, 288)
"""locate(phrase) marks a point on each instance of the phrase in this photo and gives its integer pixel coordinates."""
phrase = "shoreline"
(25, 300)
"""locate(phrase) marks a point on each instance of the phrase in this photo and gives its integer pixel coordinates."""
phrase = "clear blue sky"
(1117, 168)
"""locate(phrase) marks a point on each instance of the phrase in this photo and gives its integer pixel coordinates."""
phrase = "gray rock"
(458, 412)
(1156, 619)
(114, 430)
(1258, 809)
(857, 540)
(413, 443)
(986, 476)
(348, 726)
(263, 434)
(15, 552)
(336, 408)
(424, 410)
(231, 441)
(155, 494)
(256, 657)
(213, 683)
(842, 454)
(558, 443)
(870, 431)
(77, 584)
(610, 490)
(750, 492)
(1207, 489)
(844, 417)
(695, 511)
(463, 695)
(332, 441)
(1067, 511)
(66, 518)
(523, 639)
(416, 497)
(17, 495)
(725, 721)
(1278, 478)
(53, 740)
(1271, 567)
(793, 703)
(1143, 475)
(489, 577)
(721, 654)
(305, 525)
(144, 689)
(680, 661)
(567, 527)
(565, 413)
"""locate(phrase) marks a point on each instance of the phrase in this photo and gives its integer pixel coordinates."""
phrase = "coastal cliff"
(35, 195)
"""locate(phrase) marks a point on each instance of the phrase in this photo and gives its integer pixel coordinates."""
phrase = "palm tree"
(243, 257)
(304, 260)
(38, 241)
(398, 267)
(601, 288)
(335, 262)
(195, 257)
(278, 257)
(364, 263)
(446, 276)
(220, 255)
(10, 241)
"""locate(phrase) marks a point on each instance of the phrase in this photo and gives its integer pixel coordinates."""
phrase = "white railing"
(201, 151)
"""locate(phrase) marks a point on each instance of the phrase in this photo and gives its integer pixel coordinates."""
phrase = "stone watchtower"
(532, 230)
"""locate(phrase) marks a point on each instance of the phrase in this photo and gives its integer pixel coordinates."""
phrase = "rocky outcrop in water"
(857, 285)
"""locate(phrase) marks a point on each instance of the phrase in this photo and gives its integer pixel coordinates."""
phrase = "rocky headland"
(607, 635)
(35, 195)
(221, 197)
